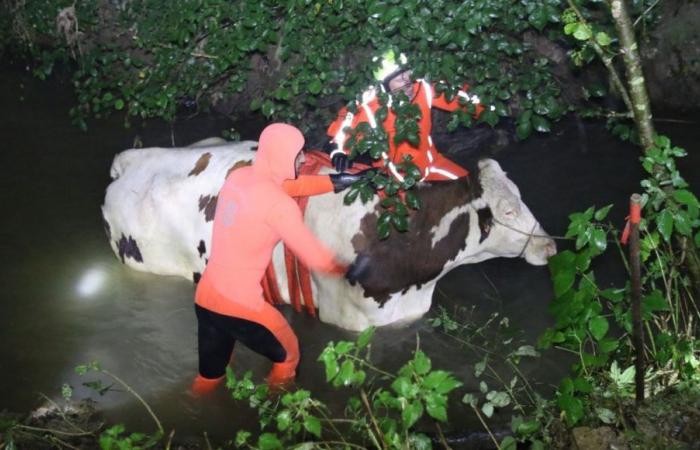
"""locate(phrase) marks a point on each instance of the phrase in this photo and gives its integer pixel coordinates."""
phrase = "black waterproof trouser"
(218, 333)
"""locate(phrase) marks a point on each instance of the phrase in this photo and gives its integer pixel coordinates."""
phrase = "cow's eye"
(510, 214)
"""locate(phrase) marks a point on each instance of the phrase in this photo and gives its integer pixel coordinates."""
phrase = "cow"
(159, 208)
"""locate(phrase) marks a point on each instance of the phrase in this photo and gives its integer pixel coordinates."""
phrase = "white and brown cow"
(158, 213)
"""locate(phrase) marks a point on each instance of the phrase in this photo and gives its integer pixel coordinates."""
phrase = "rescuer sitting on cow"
(396, 79)
(253, 213)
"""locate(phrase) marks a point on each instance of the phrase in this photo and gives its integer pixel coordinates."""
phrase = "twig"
(52, 431)
(203, 55)
(363, 395)
(206, 440)
(138, 397)
(370, 366)
(170, 440)
(63, 415)
(348, 444)
(607, 61)
(486, 427)
(443, 441)
(645, 13)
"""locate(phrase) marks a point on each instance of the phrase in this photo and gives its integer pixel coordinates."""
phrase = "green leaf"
(582, 32)
(539, 18)
(119, 104)
(527, 428)
(608, 345)
(400, 222)
(470, 399)
(403, 386)
(383, 231)
(331, 365)
(487, 409)
(654, 302)
(523, 130)
(436, 405)
(479, 368)
(605, 415)
(664, 223)
(598, 326)
(582, 385)
(351, 196)
(682, 223)
(284, 419)
(541, 124)
(499, 399)
(614, 295)
(346, 372)
(526, 350)
(599, 239)
(421, 363)
(269, 441)
(242, 438)
(268, 108)
(563, 281)
(412, 200)
(365, 337)
(508, 443)
(315, 86)
(411, 413)
(572, 408)
(537, 445)
(602, 213)
(603, 39)
(313, 425)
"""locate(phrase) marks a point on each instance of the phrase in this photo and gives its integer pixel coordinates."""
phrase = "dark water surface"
(67, 300)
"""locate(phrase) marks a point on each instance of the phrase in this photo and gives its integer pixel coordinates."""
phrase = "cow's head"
(460, 222)
(508, 227)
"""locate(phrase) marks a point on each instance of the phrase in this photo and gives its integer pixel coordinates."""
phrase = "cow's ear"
(507, 208)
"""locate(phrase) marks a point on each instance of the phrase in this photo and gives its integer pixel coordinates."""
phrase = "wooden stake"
(637, 330)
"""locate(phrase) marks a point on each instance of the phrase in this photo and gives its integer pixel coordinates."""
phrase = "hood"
(278, 148)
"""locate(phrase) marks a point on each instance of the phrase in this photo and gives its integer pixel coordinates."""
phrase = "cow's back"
(156, 193)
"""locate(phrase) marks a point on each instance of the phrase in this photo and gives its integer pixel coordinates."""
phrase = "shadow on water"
(67, 300)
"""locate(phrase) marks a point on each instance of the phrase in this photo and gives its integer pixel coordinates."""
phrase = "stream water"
(67, 300)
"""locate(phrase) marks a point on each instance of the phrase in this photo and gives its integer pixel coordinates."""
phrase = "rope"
(531, 234)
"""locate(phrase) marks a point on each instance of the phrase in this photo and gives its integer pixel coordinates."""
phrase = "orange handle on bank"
(635, 217)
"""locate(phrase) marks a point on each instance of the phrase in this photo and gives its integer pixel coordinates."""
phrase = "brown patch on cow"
(196, 276)
(201, 248)
(207, 205)
(238, 165)
(128, 248)
(408, 259)
(485, 223)
(200, 165)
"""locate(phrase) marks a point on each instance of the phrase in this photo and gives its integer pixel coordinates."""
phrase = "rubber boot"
(281, 375)
(204, 386)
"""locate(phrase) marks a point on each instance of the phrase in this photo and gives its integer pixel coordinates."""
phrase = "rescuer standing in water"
(254, 212)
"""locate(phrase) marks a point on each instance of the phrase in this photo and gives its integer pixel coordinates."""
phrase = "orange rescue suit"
(253, 214)
(432, 164)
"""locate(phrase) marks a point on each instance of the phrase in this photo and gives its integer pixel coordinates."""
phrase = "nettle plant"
(595, 324)
(502, 385)
(376, 415)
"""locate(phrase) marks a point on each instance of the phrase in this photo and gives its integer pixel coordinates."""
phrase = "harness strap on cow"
(298, 275)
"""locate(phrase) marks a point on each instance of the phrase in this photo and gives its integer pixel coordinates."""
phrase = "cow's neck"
(436, 238)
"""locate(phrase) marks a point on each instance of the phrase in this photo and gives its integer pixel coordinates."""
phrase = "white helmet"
(389, 64)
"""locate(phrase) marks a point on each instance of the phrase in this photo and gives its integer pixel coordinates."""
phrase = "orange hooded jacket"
(253, 214)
